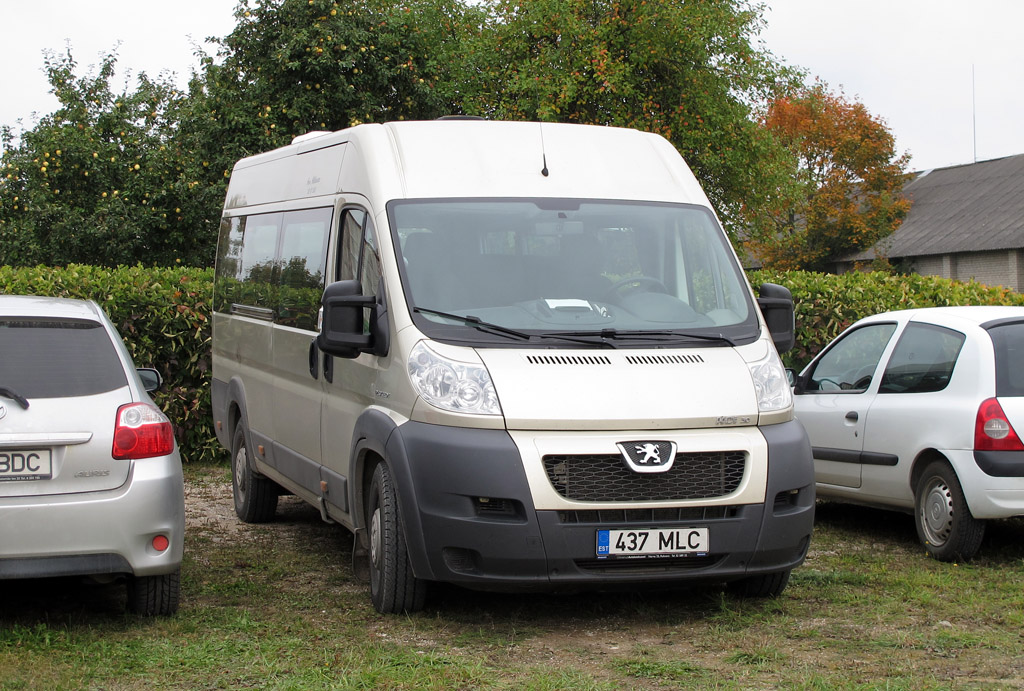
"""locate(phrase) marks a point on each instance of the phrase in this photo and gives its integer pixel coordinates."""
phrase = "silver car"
(920, 410)
(90, 476)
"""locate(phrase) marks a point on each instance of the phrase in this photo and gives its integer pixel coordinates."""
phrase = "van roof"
(470, 158)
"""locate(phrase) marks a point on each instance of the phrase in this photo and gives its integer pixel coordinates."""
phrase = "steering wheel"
(651, 284)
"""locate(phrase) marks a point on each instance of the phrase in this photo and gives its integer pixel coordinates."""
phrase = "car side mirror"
(151, 379)
(776, 303)
(342, 332)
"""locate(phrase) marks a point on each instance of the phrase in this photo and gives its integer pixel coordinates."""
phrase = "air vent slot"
(665, 359)
(568, 360)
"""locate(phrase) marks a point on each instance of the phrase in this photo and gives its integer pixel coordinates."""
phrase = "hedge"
(163, 315)
(826, 303)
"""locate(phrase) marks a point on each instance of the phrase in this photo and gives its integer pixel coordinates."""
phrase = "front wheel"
(393, 587)
(255, 495)
(944, 522)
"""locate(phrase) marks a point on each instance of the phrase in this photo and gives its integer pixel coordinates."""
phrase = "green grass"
(276, 606)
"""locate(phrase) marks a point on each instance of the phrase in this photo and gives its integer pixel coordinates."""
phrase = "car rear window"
(47, 358)
(1008, 340)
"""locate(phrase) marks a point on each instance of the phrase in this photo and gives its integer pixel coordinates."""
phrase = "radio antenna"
(543, 151)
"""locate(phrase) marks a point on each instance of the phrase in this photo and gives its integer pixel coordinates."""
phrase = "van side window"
(351, 241)
(369, 265)
(258, 268)
(303, 263)
(229, 263)
(273, 266)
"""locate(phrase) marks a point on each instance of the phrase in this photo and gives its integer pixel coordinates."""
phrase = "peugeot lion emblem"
(648, 456)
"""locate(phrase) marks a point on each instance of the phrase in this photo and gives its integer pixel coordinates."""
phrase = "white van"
(506, 355)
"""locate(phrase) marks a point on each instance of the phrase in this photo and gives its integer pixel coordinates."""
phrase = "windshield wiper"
(487, 327)
(475, 322)
(8, 392)
(642, 335)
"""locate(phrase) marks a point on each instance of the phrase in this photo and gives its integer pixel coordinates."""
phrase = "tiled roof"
(968, 208)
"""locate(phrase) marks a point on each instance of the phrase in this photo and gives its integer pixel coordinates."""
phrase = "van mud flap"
(360, 556)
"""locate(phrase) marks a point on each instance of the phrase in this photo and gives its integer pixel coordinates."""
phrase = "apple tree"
(294, 66)
(101, 180)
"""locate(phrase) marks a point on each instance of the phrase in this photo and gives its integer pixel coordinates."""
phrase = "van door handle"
(314, 360)
(852, 416)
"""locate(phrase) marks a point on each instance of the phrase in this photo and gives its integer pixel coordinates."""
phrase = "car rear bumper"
(988, 494)
(105, 532)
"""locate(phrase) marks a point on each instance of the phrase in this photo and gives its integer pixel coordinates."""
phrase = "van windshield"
(627, 272)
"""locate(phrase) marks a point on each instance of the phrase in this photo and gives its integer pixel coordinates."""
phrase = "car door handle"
(852, 416)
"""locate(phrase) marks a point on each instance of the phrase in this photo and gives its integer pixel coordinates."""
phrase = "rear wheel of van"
(945, 525)
(762, 585)
(393, 587)
(255, 495)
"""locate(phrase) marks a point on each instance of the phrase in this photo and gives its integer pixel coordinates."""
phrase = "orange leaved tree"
(850, 175)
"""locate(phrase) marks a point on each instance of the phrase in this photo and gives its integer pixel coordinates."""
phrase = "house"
(965, 222)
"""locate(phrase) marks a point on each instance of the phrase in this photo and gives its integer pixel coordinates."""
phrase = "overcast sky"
(947, 76)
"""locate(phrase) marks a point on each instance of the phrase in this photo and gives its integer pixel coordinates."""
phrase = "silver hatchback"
(90, 475)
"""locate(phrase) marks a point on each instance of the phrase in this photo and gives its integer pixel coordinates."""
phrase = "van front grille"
(609, 518)
(605, 477)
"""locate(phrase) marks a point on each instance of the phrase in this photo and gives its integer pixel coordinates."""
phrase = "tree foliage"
(293, 66)
(102, 180)
(689, 71)
(118, 177)
(851, 175)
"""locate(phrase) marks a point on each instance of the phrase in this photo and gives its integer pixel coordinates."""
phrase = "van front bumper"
(470, 518)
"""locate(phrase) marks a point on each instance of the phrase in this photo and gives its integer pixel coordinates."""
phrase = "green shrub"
(826, 304)
(163, 315)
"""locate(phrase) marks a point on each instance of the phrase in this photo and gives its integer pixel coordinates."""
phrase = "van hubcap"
(375, 538)
(241, 485)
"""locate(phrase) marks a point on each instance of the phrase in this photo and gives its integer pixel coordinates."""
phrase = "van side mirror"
(341, 331)
(776, 303)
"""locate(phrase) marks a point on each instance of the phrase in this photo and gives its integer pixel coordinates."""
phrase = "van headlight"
(770, 383)
(459, 387)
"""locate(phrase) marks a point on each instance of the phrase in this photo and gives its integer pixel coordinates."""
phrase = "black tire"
(255, 495)
(152, 596)
(393, 587)
(762, 585)
(944, 522)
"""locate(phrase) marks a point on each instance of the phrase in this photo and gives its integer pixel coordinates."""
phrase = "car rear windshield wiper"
(8, 392)
(585, 338)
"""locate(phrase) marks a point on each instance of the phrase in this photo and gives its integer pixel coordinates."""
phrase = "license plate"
(25, 465)
(652, 542)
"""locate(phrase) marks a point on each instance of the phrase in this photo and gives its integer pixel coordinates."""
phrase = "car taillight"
(142, 431)
(992, 431)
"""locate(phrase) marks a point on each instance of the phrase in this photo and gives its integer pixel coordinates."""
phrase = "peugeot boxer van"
(506, 355)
